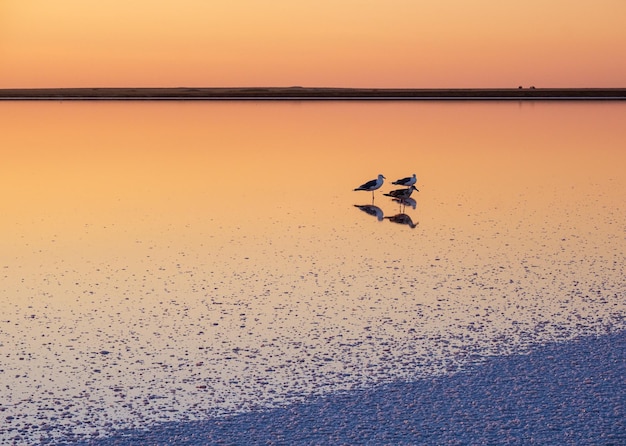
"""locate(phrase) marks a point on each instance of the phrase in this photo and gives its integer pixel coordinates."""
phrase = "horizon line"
(309, 93)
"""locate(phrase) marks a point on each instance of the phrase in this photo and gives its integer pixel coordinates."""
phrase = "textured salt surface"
(570, 393)
(143, 308)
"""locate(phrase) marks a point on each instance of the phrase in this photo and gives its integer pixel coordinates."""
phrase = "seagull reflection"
(402, 219)
(372, 210)
(404, 202)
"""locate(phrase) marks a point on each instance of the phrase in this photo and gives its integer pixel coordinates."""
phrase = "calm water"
(181, 260)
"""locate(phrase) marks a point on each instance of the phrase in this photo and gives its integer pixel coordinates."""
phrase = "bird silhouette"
(402, 193)
(372, 185)
(408, 181)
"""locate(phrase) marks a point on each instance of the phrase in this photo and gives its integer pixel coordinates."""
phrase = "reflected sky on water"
(178, 260)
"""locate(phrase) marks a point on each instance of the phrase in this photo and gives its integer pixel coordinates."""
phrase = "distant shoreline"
(305, 93)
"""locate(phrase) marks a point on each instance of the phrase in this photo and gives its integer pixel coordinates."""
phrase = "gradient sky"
(338, 43)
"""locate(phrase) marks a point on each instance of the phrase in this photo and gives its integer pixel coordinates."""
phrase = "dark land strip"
(571, 393)
(302, 93)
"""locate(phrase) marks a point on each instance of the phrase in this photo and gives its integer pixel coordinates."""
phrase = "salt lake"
(176, 261)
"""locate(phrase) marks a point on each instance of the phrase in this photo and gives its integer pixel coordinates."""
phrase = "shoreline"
(305, 93)
(559, 393)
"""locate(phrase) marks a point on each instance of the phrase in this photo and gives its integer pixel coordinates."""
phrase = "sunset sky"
(339, 43)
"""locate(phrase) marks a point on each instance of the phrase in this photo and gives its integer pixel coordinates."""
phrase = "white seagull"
(408, 181)
(372, 185)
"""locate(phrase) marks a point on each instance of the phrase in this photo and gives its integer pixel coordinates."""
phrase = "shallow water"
(177, 260)
(565, 393)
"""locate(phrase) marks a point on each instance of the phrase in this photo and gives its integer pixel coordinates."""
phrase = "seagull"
(372, 185)
(408, 181)
(402, 219)
(402, 193)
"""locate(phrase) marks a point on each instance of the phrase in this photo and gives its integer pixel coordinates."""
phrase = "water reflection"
(400, 196)
(110, 242)
(372, 210)
(404, 202)
(402, 219)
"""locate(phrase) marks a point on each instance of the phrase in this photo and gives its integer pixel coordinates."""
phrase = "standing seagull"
(408, 181)
(372, 185)
(402, 193)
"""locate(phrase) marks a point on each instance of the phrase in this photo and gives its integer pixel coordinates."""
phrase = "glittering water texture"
(177, 261)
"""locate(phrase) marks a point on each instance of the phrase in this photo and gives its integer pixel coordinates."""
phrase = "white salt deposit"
(172, 307)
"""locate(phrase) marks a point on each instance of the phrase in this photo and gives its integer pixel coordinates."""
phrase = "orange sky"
(360, 43)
